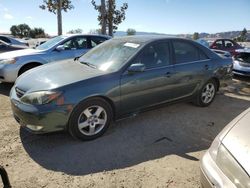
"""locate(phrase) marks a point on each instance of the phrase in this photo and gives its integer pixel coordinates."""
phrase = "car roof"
(95, 35)
(146, 38)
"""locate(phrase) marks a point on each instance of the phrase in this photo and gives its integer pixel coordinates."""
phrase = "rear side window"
(96, 40)
(185, 52)
(5, 39)
(228, 44)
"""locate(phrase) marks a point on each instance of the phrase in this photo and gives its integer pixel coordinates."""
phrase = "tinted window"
(155, 55)
(76, 43)
(203, 56)
(185, 52)
(228, 44)
(219, 44)
(5, 39)
(96, 40)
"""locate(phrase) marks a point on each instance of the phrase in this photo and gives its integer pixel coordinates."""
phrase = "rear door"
(154, 85)
(191, 67)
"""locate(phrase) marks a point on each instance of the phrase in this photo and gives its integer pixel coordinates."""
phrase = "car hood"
(237, 141)
(18, 53)
(55, 75)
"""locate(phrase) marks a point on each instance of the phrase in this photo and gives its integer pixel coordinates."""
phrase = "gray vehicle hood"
(237, 141)
(55, 75)
(18, 53)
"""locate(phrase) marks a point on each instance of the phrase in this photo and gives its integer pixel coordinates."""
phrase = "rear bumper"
(241, 70)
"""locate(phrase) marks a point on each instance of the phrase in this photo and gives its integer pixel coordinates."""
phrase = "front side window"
(76, 43)
(155, 55)
(50, 43)
(185, 52)
(219, 44)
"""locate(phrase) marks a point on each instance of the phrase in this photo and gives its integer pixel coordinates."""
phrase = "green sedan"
(117, 79)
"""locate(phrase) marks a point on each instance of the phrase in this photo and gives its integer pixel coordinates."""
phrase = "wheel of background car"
(90, 119)
(27, 67)
(207, 94)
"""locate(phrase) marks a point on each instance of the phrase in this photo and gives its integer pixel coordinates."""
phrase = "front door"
(152, 86)
(74, 47)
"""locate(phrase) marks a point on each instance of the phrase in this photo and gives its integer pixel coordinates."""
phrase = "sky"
(161, 16)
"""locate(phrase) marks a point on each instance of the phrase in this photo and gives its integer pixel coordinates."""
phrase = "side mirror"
(137, 67)
(60, 48)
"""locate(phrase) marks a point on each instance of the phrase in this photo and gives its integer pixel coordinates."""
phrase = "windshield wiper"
(89, 64)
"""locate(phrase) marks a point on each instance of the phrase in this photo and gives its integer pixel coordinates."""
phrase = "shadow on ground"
(5, 88)
(173, 130)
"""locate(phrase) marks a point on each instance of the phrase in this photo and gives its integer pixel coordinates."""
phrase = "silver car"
(242, 62)
(13, 64)
(227, 162)
(13, 41)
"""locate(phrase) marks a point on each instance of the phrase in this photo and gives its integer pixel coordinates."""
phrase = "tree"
(21, 30)
(196, 36)
(109, 15)
(75, 31)
(243, 35)
(56, 7)
(131, 32)
(37, 33)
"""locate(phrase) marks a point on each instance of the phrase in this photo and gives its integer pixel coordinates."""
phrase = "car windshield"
(111, 55)
(50, 43)
(243, 57)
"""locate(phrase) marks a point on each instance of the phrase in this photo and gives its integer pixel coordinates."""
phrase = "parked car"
(13, 41)
(66, 47)
(222, 53)
(227, 161)
(6, 47)
(117, 79)
(241, 64)
(226, 45)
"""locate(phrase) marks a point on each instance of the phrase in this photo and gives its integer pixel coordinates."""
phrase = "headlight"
(231, 168)
(8, 61)
(40, 97)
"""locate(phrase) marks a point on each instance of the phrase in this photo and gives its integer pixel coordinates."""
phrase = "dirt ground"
(159, 148)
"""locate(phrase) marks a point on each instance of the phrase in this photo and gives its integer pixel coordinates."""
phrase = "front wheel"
(207, 94)
(90, 119)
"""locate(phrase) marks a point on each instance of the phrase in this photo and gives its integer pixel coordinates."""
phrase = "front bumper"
(211, 175)
(8, 72)
(39, 119)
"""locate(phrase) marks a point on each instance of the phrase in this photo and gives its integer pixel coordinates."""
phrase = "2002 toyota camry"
(121, 77)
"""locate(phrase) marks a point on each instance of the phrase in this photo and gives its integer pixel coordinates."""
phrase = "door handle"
(168, 74)
(206, 67)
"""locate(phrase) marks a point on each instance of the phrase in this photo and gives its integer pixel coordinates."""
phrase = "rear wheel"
(90, 119)
(207, 94)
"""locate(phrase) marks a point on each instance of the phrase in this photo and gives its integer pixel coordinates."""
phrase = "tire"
(90, 119)
(26, 68)
(207, 94)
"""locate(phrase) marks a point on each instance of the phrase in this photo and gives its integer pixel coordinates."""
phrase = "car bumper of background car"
(8, 73)
(39, 119)
(241, 70)
(211, 175)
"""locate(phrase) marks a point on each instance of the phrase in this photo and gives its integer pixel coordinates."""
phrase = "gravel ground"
(159, 148)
